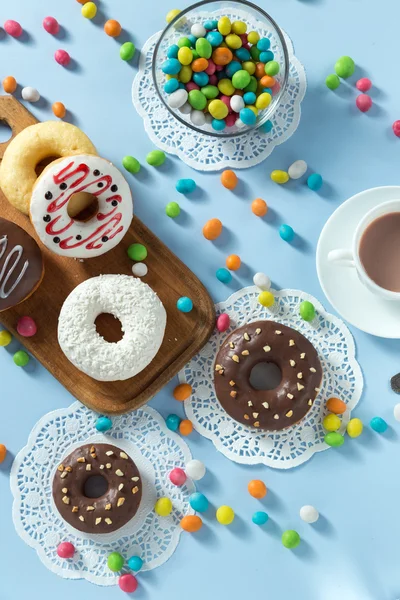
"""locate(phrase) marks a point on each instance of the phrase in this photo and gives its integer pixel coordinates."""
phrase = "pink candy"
(396, 128)
(51, 25)
(192, 86)
(364, 84)
(226, 100)
(128, 583)
(26, 326)
(219, 67)
(62, 57)
(177, 477)
(245, 43)
(230, 120)
(65, 550)
(276, 88)
(13, 28)
(363, 102)
(223, 321)
(211, 67)
(213, 80)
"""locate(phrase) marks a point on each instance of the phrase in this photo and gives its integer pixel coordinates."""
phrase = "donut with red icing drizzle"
(75, 236)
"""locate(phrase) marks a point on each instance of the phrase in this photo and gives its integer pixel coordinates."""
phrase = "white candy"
(297, 169)
(237, 103)
(396, 412)
(239, 123)
(195, 469)
(177, 99)
(197, 117)
(309, 514)
(262, 281)
(139, 269)
(208, 118)
(186, 109)
(30, 94)
(198, 30)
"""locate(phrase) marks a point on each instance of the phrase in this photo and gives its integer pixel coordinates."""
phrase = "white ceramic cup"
(350, 257)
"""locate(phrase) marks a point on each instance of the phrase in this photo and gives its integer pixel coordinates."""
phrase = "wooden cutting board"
(185, 334)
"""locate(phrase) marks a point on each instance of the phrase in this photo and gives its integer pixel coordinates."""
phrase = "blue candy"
(260, 517)
(171, 86)
(249, 98)
(315, 182)
(266, 56)
(200, 78)
(215, 38)
(198, 502)
(184, 304)
(247, 116)
(135, 563)
(172, 51)
(193, 40)
(232, 68)
(378, 424)
(210, 24)
(103, 424)
(181, 86)
(243, 54)
(267, 91)
(286, 232)
(267, 126)
(263, 44)
(218, 124)
(223, 275)
(173, 422)
(185, 186)
(172, 66)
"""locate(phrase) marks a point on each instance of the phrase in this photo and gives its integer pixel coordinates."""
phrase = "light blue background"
(353, 553)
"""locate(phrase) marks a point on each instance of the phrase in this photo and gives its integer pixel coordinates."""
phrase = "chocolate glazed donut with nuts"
(271, 342)
(111, 510)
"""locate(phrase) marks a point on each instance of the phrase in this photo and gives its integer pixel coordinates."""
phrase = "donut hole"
(5, 131)
(82, 206)
(265, 376)
(109, 327)
(95, 486)
(45, 162)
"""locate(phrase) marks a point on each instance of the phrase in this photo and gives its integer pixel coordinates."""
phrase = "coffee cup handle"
(342, 257)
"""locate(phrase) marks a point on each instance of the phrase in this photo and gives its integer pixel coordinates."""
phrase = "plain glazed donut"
(271, 342)
(142, 317)
(29, 148)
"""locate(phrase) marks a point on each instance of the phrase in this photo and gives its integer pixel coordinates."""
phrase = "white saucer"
(341, 285)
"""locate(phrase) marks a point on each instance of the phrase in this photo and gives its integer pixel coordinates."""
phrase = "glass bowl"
(237, 10)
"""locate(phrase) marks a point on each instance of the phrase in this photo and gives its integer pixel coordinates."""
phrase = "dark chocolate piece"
(395, 383)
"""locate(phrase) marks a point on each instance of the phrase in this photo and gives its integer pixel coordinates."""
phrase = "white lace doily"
(290, 447)
(156, 450)
(201, 151)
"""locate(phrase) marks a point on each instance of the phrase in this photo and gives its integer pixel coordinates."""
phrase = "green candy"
(156, 158)
(332, 81)
(271, 68)
(115, 561)
(290, 539)
(127, 51)
(334, 439)
(195, 54)
(241, 79)
(21, 358)
(197, 99)
(131, 164)
(307, 310)
(204, 48)
(172, 210)
(345, 67)
(252, 87)
(184, 41)
(210, 91)
(137, 252)
(255, 53)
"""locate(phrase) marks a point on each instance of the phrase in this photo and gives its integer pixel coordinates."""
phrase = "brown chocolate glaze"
(112, 510)
(21, 265)
(267, 341)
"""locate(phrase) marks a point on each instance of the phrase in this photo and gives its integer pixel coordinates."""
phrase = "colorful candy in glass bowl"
(221, 67)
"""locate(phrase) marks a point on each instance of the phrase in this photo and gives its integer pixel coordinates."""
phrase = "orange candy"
(3, 452)
(9, 84)
(222, 56)
(260, 70)
(182, 392)
(229, 179)
(335, 405)
(191, 523)
(82, 1)
(233, 262)
(112, 28)
(200, 64)
(259, 207)
(185, 427)
(257, 488)
(267, 81)
(212, 229)
(58, 109)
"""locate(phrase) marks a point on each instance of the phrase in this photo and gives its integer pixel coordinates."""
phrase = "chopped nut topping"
(218, 367)
(135, 489)
(63, 475)
(97, 521)
(300, 375)
(267, 348)
(107, 507)
(300, 387)
(65, 499)
(93, 455)
(235, 358)
(109, 453)
(256, 424)
(258, 331)
(246, 417)
(81, 518)
(108, 521)
(310, 402)
(292, 363)
(232, 383)
(92, 449)
(233, 393)
(289, 413)
(121, 485)
(317, 389)
(75, 509)
(278, 332)
(119, 473)
(123, 455)
(249, 403)
(90, 508)
(221, 372)
(265, 404)
(60, 468)
(120, 501)
(135, 478)
(68, 469)
(231, 345)
(81, 459)
(276, 417)
(313, 370)
(246, 337)
(88, 467)
(101, 466)
(64, 490)
(302, 355)
(291, 343)
(255, 415)
(108, 465)
(290, 396)
(245, 353)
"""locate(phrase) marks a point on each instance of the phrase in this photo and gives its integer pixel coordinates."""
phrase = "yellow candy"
(163, 507)
(218, 109)
(331, 422)
(224, 25)
(263, 100)
(233, 41)
(89, 10)
(226, 87)
(249, 66)
(168, 77)
(239, 27)
(172, 14)
(185, 74)
(253, 37)
(185, 55)
(225, 515)
(253, 108)
(223, 45)
(266, 299)
(5, 338)
(279, 176)
(354, 428)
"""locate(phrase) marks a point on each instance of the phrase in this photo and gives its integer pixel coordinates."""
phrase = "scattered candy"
(259, 207)
(172, 14)
(131, 164)
(156, 158)
(309, 514)
(13, 28)
(26, 326)
(223, 275)
(212, 229)
(185, 427)
(332, 81)
(335, 405)
(177, 476)
(331, 422)
(135, 563)
(225, 515)
(233, 262)
(334, 439)
(50, 24)
(363, 102)
(378, 424)
(396, 128)
(30, 94)
(257, 488)
(140, 269)
(286, 232)
(137, 252)
(21, 358)
(9, 84)
(198, 502)
(89, 10)
(315, 182)
(262, 281)
(260, 517)
(65, 550)
(184, 304)
(364, 84)
(163, 507)
(297, 169)
(290, 539)
(355, 428)
(345, 67)
(185, 186)
(5, 338)
(229, 178)
(127, 51)
(279, 176)
(195, 469)
(223, 322)
(395, 380)
(396, 412)
(266, 299)
(191, 523)
(103, 424)
(3, 453)
(182, 391)
(115, 561)
(112, 28)
(172, 210)
(59, 110)
(62, 57)
(307, 310)
(128, 583)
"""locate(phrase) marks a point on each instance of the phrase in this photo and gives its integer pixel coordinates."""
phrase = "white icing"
(6, 274)
(142, 316)
(113, 221)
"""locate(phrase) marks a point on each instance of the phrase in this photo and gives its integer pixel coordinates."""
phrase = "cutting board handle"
(16, 116)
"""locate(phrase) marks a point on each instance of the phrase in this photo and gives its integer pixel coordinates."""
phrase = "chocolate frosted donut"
(111, 510)
(21, 265)
(267, 342)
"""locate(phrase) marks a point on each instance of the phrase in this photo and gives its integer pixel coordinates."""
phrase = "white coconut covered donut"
(142, 316)
(55, 187)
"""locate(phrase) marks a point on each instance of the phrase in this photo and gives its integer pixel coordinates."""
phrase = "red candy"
(363, 102)
(231, 119)
(223, 321)
(65, 550)
(177, 477)
(275, 88)
(245, 43)
(26, 327)
(211, 67)
(13, 28)
(128, 583)
(213, 80)
(219, 67)
(51, 25)
(364, 84)
(226, 100)
(62, 57)
(192, 86)
(396, 128)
